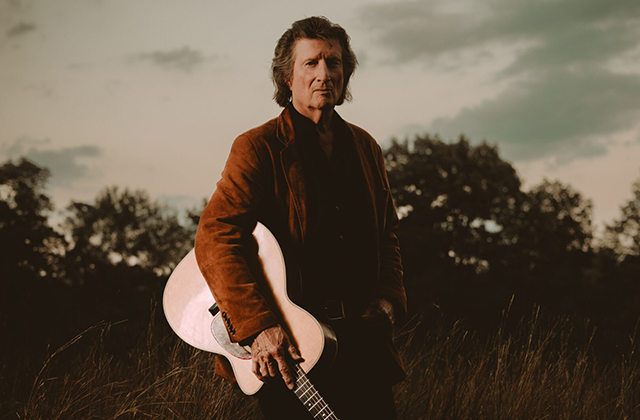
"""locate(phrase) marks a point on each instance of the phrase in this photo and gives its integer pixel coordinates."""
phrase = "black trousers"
(355, 385)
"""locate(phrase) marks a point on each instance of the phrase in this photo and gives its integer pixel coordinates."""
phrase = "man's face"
(316, 82)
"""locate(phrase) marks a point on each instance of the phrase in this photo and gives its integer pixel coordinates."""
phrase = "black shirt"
(339, 213)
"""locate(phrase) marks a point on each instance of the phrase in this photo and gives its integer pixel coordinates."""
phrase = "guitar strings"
(310, 398)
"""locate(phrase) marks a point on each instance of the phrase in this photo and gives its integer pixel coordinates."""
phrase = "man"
(319, 184)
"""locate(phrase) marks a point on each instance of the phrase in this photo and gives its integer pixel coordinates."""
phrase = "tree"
(126, 229)
(471, 238)
(30, 247)
(553, 238)
(618, 299)
(623, 236)
(30, 261)
(122, 248)
(457, 204)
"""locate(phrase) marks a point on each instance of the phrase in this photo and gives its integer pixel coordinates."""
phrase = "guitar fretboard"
(309, 396)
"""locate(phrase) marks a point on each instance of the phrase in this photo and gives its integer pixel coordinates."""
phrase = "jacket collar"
(294, 174)
(286, 132)
(284, 127)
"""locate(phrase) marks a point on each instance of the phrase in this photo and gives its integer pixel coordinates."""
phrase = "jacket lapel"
(293, 173)
(374, 183)
(369, 168)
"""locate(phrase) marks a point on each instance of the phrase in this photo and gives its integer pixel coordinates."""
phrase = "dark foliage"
(623, 236)
(124, 229)
(472, 242)
(458, 205)
(106, 263)
(472, 238)
(30, 257)
(30, 247)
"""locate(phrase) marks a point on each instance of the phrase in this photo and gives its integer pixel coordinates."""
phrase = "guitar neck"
(310, 398)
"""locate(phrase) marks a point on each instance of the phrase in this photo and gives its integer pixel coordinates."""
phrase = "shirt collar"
(303, 126)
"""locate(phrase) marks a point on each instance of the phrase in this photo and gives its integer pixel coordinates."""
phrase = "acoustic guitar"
(193, 315)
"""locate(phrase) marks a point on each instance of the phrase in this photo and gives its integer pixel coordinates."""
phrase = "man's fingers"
(380, 310)
(285, 372)
(295, 354)
(264, 370)
(371, 313)
(255, 368)
(272, 346)
(272, 370)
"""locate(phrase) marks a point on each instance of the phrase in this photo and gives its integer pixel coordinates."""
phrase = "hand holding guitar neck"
(193, 314)
(270, 354)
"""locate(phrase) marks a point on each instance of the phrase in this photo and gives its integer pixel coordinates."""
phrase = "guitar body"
(187, 300)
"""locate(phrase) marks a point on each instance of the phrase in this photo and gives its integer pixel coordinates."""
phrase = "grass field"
(536, 371)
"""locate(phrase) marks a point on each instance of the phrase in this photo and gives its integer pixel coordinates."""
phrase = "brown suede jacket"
(263, 181)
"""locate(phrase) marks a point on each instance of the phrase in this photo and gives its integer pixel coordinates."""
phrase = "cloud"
(583, 30)
(184, 59)
(563, 97)
(42, 90)
(20, 28)
(63, 163)
(14, 6)
(564, 114)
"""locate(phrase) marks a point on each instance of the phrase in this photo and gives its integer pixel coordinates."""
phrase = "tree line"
(473, 241)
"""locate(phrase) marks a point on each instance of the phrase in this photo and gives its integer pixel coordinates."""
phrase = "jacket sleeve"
(391, 286)
(224, 245)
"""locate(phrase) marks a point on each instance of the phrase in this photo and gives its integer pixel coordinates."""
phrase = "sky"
(150, 94)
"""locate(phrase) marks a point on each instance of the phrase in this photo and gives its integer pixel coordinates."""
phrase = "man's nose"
(322, 74)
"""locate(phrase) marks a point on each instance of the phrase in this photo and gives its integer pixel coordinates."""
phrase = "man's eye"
(311, 63)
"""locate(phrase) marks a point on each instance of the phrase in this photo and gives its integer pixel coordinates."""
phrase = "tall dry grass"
(536, 372)
(161, 377)
(532, 372)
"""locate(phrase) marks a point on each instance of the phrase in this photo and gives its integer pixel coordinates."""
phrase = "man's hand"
(269, 353)
(380, 310)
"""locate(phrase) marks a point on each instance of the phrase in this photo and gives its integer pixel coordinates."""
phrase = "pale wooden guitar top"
(187, 300)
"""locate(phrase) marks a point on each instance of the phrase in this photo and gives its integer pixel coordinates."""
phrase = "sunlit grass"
(533, 372)
(161, 378)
